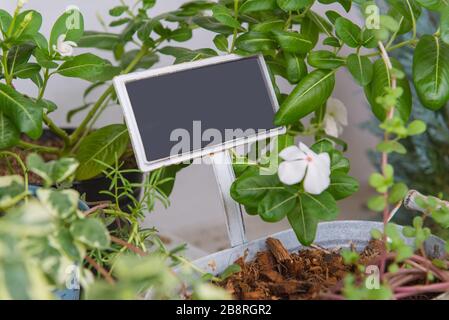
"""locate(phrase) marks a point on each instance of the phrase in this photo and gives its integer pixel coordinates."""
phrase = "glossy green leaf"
(276, 205)
(9, 134)
(221, 42)
(27, 23)
(296, 68)
(397, 193)
(5, 20)
(382, 80)
(444, 25)
(311, 93)
(249, 191)
(99, 40)
(434, 4)
(407, 12)
(269, 25)
(293, 5)
(346, 4)
(212, 24)
(70, 24)
(348, 32)
(323, 59)
(27, 70)
(257, 5)
(342, 186)
(361, 69)
(89, 67)
(293, 42)
(103, 145)
(225, 16)
(91, 232)
(23, 112)
(255, 42)
(310, 209)
(431, 72)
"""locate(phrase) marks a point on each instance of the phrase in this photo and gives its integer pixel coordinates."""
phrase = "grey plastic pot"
(337, 234)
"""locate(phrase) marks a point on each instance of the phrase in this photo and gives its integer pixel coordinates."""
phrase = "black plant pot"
(91, 189)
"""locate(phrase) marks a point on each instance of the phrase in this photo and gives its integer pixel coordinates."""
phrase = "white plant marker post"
(224, 173)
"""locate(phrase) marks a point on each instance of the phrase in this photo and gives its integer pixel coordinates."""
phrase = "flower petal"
(331, 127)
(307, 151)
(338, 110)
(292, 172)
(291, 153)
(318, 174)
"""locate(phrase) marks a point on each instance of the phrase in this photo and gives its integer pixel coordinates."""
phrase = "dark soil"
(277, 274)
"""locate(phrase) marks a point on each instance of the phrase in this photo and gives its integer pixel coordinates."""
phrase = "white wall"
(195, 201)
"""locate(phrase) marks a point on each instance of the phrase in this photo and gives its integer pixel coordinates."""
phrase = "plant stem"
(236, 16)
(31, 146)
(128, 245)
(397, 46)
(100, 269)
(21, 164)
(56, 130)
(77, 133)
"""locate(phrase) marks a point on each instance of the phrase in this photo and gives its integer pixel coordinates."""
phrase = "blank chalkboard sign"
(193, 109)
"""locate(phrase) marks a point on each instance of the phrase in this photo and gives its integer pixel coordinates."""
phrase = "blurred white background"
(195, 213)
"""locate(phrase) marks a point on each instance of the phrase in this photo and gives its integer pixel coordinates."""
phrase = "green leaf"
(60, 203)
(70, 24)
(342, 186)
(118, 11)
(308, 212)
(416, 127)
(310, 31)
(99, 40)
(276, 205)
(296, 68)
(20, 54)
(23, 112)
(323, 59)
(257, 5)
(397, 193)
(186, 55)
(293, 42)
(391, 146)
(256, 42)
(181, 34)
(9, 135)
(346, 4)
(348, 32)
(225, 16)
(91, 232)
(311, 93)
(212, 24)
(88, 67)
(444, 25)
(250, 190)
(221, 42)
(269, 25)
(405, 11)
(12, 190)
(5, 20)
(103, 145)
(27, 70)
(27, 23)
(436, 5)
(376, 203)
(44, 59)
(361, 69)
(381, 81)
(293, 5)
(52, 172)
(68, 245)
(431, 72)
(332, 41)
(146, 62)
(229, 271)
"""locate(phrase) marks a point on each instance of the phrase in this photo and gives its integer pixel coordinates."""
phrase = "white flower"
(336, 117)
(302, 162)
(64, 48)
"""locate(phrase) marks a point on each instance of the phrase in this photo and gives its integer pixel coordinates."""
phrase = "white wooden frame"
(136, 139)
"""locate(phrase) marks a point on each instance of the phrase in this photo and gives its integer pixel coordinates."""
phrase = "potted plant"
(310, 180)
(53, 245)
(28, 55)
